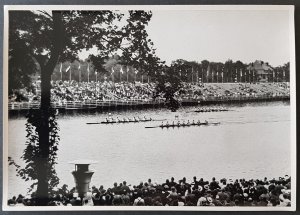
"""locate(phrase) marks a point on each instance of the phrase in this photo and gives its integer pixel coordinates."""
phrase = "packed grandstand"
(66, 91)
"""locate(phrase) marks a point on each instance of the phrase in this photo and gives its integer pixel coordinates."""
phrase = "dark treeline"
(188, 71)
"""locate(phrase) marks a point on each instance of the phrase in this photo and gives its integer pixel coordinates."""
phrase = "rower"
(198, 122)
(173, 123)
(178, 123)
(188, 122)
(193, 123)
(167, 124)
(106, 119)
(162, 124)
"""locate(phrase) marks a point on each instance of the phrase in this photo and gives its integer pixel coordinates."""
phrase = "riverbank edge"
(147, 105)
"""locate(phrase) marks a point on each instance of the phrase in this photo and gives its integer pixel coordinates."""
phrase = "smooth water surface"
(252, 141)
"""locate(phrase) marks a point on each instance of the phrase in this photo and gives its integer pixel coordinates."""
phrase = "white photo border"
(293, 132)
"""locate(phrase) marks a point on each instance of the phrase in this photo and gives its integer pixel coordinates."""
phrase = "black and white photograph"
(153, 107)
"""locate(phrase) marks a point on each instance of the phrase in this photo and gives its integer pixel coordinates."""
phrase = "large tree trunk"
(44, 130)
(43, 166)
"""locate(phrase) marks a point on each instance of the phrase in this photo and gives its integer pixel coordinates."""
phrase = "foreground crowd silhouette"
(274, 192)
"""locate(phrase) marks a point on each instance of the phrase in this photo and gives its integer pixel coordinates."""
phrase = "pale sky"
(246, 35)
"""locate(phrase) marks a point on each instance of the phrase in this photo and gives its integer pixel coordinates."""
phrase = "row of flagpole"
(96, 73)
(209, 75)
(230, 76)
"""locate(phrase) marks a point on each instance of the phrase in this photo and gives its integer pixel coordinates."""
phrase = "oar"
(93, 123)
(152, 127)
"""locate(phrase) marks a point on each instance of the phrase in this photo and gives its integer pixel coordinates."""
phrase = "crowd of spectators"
(274, 192)
(66, 91)
(219, 90)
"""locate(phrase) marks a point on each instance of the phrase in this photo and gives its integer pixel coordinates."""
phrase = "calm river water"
(252, 141)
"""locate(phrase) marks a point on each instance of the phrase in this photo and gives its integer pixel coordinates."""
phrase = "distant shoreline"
(117, 105)
(194, 95)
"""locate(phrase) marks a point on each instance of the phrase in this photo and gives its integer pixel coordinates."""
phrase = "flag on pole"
(79, 72)
(60, 70)
(88, 70)
(121, 72)
(135, 72)
(127, 70)
(67, 70)
(207, 73)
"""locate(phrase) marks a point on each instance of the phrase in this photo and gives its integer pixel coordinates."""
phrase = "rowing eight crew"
(211, 109)
(138, 119)
(173, 124)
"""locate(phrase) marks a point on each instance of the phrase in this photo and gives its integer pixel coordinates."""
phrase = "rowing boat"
(122, 121)
(210, 110)
(184, 125)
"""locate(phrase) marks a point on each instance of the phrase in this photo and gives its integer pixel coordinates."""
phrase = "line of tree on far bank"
(188, 71)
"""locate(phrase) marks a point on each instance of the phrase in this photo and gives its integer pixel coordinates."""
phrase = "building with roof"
(262, 70)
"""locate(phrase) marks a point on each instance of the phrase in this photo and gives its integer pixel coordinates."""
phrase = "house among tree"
(262, 70)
